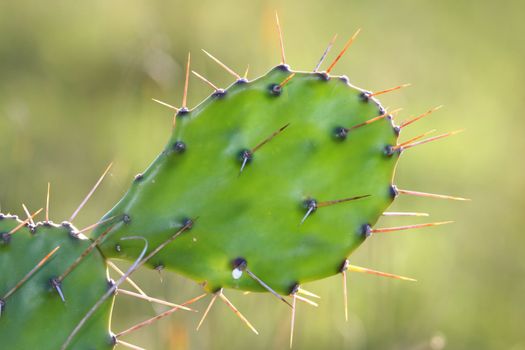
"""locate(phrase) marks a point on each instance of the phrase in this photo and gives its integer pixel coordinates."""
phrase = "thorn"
(305, 292)
(128, 279)
(246, 72)
(399, 146)
(208, 308)
(28, 214)
(187, 226)
(311, 204)
(158, 317)
(30, 273)
(281, 41)
(389, 90)
(109, 292)
(237, 76)
(370, 121)
(47, 201)
(337, 201)
(415, 119)
(128, 345)
(57, 285)
(83, 255)
(409, 227)
(404, 214)
(307, 301)
(185, 95)
(90, 227)
(23, 223)
(354, 268)
(205, 80)
(269, 138)
(432, 139)
(166, 105)
(347, 45)
(345, 294)
(234, 309)
(292, 322)
(431, 195)
(267, 287)
(90, 193)
(246, 156)
(326, 51)
(153, 300)
(285, 81)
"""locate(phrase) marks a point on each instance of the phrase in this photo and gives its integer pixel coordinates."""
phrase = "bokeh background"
(76, 82)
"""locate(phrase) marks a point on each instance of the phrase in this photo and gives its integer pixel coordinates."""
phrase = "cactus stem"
(77, 261)
(409, 227)
(430, 195)
(186, 82)
(129, 346)
(206, 81)
(166, 105)
(75, 213)
(236, 312)
(415, 119)
(393, 213)
(23, 223)
(377, 93)
(28, 214)
(347, 45)
(30, 273)
(285, 81)
(326, 51)
(430, 139)
(281, 41)
(158, 317)
(153, 300)
(399, 146)
(208, 308)
(47, 201)
(228, 69)
(129, 280)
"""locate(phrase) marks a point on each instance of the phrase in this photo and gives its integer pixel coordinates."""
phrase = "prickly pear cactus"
(279, 180)
(33, 315)
(264, 186)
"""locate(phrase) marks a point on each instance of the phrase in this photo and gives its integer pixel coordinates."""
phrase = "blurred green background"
(76, 82)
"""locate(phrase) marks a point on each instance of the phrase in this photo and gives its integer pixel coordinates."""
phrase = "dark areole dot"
(240, 263)
(275, 89)
(179, 147)
(182, 112)
(392, 190)
(188, 223)
(344, 266)
(310, 204)
(118, 248)
(283, 68)
(340, 133)
(5, 238)
(294, 288)
(126, 218)
(219, 93)
(138, 177)
(366, 231)
(364, 96)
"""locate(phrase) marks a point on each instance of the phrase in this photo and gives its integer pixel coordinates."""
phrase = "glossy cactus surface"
(247, 166)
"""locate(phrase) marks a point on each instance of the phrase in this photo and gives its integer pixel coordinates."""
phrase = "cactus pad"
(33, 315)
(282, 179)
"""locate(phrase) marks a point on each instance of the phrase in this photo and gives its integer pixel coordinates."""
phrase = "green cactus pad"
(256, 214)
(34, 316)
